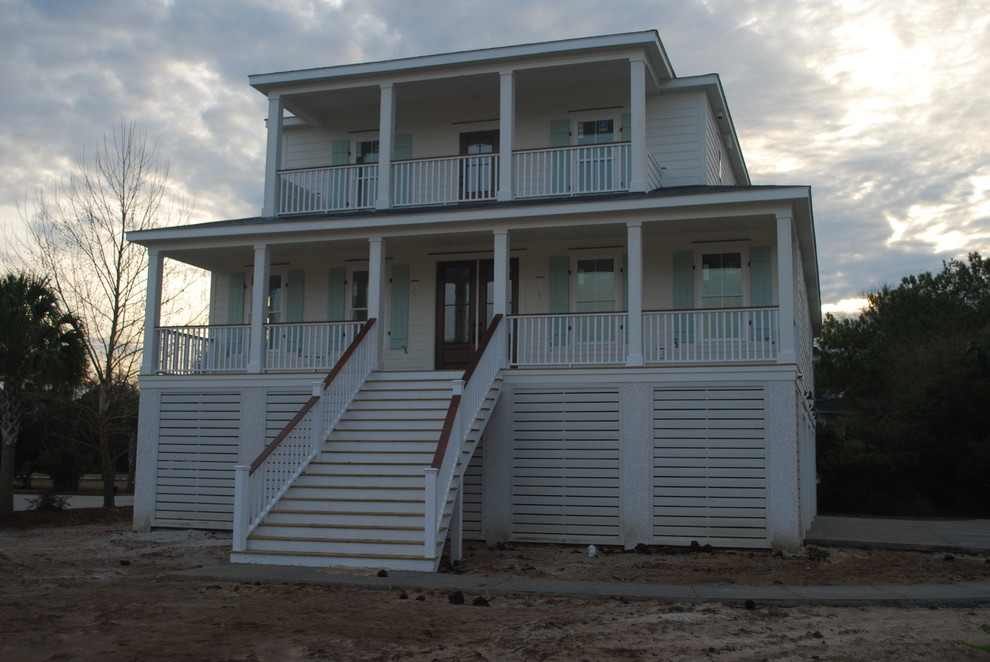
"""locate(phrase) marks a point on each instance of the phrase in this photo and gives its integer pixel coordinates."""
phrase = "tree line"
(909, 381)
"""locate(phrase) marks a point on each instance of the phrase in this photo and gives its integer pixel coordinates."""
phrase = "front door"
(465, 291)
(477, 173)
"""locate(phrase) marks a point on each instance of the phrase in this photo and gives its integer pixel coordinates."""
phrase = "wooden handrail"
(455, 401)
(291, 425)
(349, 351)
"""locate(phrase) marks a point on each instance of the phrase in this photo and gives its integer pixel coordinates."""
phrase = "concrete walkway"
(964, 536)
(960, 536)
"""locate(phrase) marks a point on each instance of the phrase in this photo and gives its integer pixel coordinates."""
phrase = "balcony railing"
(725, 335)
(312, 346)
(567, 339)
(446, 180)
(571, 170)
(337, 188)
(307, 346)
(191, 350)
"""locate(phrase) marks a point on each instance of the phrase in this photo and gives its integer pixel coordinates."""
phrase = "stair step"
(339, 533)
(365, 506)
(378, 481)
(356, 493)
(387, 466)
(346, 518)
(382, 445)
(320, 560)
(330, 546)
(405, 414)
(390, 424)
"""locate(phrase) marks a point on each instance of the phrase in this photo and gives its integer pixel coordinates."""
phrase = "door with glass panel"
(595, 163)
(465, 308)
(366, 176)
(721, 287)
(596, 293)
(477, 171)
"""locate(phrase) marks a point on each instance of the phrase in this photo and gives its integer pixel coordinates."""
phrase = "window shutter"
(560, 133)
(403, 147)
(294, 296)
(683, 284)
(559, 297)
(625, 282)
(761, 289)
(560, 171)
(235, 299)
(625, 133)
(399, 309)
(335, 293)
(626, 129)
(340, 152)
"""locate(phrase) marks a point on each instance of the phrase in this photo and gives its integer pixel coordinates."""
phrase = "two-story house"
(524, 293)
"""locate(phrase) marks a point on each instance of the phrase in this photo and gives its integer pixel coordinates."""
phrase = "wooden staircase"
(360, 502)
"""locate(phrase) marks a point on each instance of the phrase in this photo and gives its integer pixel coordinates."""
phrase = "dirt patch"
(97, 592)
(813, 566)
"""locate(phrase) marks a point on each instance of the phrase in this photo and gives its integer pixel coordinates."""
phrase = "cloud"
(880, 107)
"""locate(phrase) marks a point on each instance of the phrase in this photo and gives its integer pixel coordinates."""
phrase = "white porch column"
(376, 291)
(259, 307)
(273, 161)
(501, 273)
(637, 134)
(634, 324)
(152, 312)
(506, 133)
(386, 139)
(785, 290)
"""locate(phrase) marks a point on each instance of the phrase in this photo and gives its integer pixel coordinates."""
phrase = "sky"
(881, 106)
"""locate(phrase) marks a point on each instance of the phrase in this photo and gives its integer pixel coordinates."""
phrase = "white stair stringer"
(360, 502)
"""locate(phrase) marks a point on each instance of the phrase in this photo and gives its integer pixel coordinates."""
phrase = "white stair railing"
(469, 396)
(258, 486)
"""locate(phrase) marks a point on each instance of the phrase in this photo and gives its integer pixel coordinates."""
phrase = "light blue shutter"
(559, 297)
(336, 284)
(625, 133)
(683, 284)
(760, 289)
(402, 149)
(340, 152)
(235, 312)
(399, 312)
(294, 309)
(235, 299)
(560, 173)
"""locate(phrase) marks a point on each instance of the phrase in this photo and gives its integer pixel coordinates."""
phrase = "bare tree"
(77, 237)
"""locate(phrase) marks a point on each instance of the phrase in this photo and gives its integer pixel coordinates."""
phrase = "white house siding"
(674, 131)
(709, 467)
(565, 477)
(471, 488)
(719, 169)
(198, 446)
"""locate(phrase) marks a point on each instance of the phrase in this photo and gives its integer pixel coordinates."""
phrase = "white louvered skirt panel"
(281, 407)
(565, 478)
(709, 467)
(197, 450)
(472, 494)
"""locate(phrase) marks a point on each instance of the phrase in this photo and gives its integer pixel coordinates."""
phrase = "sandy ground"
(96, 592)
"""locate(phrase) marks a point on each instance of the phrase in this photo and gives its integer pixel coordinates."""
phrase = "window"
(595, 290)
(366, 152)
(275, 299)
(721, 280)
(359, 295)
(591, 132)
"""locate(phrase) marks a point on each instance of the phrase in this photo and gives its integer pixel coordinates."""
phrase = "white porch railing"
(722, 335)
(445, 180)
(257, 487)
(307, 345)
(335, 188)
(568, 339)
(571, 170)
(192, 350)
(470, 393)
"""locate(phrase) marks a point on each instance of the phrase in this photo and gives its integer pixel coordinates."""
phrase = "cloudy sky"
(883, 107)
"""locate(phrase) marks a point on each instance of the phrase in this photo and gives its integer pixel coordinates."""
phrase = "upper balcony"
(570, 118)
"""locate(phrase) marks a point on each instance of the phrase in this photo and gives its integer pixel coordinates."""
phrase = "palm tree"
(40, 346)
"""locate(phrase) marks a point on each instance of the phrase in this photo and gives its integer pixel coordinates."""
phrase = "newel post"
(242, 477)
(316, 429)
(430, 513)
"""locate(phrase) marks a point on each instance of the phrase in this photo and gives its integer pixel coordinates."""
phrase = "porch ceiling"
(324, 105)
